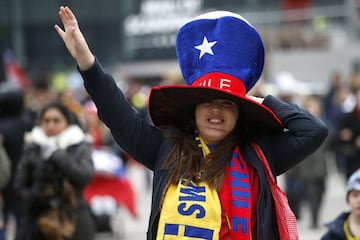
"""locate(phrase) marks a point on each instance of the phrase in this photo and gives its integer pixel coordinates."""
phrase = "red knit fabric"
(286, 220)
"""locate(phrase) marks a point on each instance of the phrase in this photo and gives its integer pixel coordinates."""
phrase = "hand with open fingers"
(74, 39)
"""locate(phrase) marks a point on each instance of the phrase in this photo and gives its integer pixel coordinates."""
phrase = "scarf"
(198, 207)
(190, 211)
(235, 195)
(240, 205)
(72, 135)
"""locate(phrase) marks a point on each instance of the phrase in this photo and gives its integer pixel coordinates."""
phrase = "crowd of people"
(203, 136)
(48, 151)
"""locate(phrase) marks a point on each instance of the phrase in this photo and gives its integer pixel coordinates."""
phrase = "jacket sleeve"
(23, 186)
(75, 163)
(303, 133)
(134, 135)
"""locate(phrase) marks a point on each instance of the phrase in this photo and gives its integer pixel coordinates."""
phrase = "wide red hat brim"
(173, 105)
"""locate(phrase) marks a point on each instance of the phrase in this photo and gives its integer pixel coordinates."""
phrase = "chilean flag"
(110, 180)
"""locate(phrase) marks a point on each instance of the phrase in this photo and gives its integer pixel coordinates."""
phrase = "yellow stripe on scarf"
(203, 146)
(190, 211)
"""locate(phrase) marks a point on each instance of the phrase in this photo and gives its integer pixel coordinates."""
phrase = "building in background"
(136, 38)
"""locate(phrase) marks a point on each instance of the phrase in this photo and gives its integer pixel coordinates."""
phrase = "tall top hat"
(221, 56)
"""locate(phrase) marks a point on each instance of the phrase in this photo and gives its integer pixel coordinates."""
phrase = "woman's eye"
(228, 103)
(206, 104)
(223, 103)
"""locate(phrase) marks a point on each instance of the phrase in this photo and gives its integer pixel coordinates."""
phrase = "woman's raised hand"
(74, 39)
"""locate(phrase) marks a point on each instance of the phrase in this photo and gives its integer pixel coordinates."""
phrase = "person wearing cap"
(215, 152)
(346, 226)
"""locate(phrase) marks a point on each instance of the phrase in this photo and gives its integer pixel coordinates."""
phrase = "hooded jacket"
(147, 144)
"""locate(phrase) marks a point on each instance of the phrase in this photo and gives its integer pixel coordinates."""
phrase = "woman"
(55, 168)
(214, 151)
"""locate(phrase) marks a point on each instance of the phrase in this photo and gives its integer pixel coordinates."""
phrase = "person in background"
(334, 102)
(346, 226)
(15, 120)
(100, 134)
(55, 167)
(110, 186)
(310, 175)
(215, 152)
(349, 137)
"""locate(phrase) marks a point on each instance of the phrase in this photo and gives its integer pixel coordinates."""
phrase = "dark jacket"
(349, 148)
(14, 122)
(335, 228)
(148, 145)
(38, 175)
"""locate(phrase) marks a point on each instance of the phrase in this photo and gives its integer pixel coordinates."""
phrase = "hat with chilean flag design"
(221, 56)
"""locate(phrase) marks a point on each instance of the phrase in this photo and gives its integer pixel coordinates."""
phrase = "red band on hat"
(223, 82)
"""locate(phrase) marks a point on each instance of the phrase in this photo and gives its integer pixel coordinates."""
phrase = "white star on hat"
(205, 47)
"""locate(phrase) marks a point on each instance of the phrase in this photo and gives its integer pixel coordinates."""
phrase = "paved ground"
(334, 203)
(135, 229)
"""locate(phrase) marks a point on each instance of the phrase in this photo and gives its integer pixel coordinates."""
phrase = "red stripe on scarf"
(236, 197)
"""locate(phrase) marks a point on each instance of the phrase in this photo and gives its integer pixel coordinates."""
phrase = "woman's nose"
(215, 107)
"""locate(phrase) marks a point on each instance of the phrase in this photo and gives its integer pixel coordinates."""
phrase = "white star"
(205, 47)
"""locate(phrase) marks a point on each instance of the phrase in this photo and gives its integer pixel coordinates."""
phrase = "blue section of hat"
(238, 50)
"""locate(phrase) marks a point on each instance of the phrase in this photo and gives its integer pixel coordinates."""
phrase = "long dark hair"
(186, 160)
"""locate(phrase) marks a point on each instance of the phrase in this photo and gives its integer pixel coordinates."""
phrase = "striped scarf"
(285, 217)
(235, 195)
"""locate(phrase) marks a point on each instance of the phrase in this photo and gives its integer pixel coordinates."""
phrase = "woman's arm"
(303, 133)
(134, 135)
(131, 132)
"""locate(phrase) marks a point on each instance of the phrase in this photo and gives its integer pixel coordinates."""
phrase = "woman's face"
(216, 119)
(53, 122)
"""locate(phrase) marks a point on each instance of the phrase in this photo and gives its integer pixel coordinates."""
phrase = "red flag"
(118, 188)
(15, 74)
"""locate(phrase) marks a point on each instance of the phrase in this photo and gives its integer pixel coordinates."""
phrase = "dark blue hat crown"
(222, 42)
